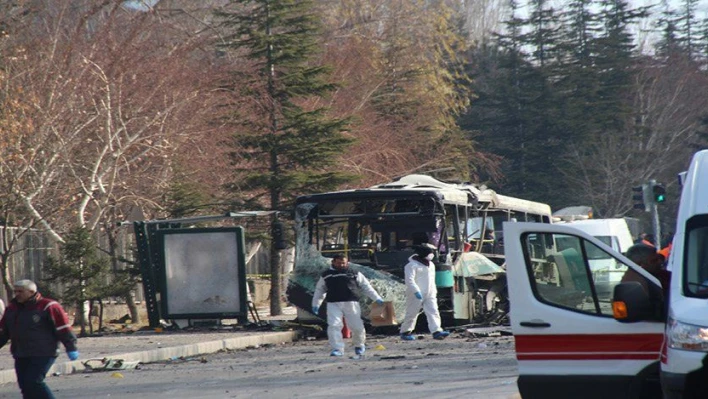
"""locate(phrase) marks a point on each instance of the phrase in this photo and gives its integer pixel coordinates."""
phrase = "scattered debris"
(107, 364)
(117, 375)
(393, 357)
(484, 332)
(379, 347)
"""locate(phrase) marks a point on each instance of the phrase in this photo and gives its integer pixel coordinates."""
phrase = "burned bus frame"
(378, 227)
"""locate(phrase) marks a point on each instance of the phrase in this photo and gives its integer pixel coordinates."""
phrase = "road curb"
(156, 355)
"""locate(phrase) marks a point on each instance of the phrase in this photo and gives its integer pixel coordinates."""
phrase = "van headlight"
(687, 336)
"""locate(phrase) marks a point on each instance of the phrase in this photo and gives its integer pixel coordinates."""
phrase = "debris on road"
(487, 332)
(108, 364)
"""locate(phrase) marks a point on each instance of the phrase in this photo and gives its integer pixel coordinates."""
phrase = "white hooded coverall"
(350, 310)
(420, 278)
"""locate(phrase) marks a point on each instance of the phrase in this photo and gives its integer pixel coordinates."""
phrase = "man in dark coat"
(35, 325)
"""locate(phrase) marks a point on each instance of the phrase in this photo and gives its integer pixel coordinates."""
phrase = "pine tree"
(615, 62)
(500, 109)
(688, 26)
(288, 148)
(516, 113)
(80, 270)
(578, 80)
(669, 45)
(681, 31)
(600, 81)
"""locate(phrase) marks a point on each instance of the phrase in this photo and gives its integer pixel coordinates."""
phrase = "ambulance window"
(696, 261)
(606, 272)
(564, 275)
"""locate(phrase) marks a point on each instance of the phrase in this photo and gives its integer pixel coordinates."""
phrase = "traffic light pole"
(654, 212)
(656, 226)
(652, 193)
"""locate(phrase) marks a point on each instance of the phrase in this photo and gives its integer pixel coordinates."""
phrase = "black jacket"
(36, 327)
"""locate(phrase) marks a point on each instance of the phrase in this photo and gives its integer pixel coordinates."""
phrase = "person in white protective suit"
(421, 292)
(339, 284)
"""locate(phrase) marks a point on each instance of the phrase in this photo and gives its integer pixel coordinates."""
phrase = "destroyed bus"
(377, 228)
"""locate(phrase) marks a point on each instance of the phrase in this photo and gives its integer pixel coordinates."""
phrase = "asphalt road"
(456, 367)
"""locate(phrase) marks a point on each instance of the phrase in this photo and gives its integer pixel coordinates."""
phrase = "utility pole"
(654, 209)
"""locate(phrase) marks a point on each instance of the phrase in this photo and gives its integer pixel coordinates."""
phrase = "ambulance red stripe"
(588, 346)
(589, 356)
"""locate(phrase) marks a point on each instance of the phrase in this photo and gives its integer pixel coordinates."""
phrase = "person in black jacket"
(35, 325)
(340, 285)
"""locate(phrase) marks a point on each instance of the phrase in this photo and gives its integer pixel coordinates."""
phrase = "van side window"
(696, 257)
(572, 273)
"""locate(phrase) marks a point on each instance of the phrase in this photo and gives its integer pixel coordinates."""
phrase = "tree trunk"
(80, 318)
(90, 324)
(132, 307)
(6, 278)
(100, 314)
(275, 308)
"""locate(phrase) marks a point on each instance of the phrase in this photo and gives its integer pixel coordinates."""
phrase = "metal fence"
(33, 247)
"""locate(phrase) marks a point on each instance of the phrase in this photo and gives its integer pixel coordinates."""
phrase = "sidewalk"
(150, 346)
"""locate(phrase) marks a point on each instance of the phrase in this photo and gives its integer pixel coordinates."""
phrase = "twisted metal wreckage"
(377, 228)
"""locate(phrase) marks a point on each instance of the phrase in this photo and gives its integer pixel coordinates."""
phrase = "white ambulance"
(575, 341)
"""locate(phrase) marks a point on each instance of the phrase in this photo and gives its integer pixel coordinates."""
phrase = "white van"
(573, 340)
(687, 328)
(615, 234)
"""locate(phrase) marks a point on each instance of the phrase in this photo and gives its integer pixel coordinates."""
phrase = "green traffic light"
(659, 193)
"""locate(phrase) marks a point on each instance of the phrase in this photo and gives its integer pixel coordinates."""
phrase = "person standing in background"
(35, 325)
(340, 284)
(421, 292)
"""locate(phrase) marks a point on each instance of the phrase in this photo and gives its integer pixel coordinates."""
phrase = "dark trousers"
(30, 376)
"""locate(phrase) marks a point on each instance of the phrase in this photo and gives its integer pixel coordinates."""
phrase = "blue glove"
(419, 295)
(315, 309)
(379, 301)
(73, 355)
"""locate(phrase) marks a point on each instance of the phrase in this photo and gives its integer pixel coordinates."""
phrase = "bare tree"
(400, 75)
(99, 111)
(669, 103)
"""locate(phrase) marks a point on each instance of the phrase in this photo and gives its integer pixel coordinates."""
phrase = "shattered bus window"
(377, 229)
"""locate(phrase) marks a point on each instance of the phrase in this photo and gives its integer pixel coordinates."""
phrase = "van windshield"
(597, 253)
(593, 252)
(696, 257)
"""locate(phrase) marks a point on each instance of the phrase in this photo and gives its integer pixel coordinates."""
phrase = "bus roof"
(486, 197)
(522, 205)
(417, 185)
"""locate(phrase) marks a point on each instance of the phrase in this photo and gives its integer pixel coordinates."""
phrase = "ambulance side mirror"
(631, 303)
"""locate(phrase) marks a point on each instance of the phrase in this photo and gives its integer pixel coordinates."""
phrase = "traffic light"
(659, 192)
(638, 198)
(652, 193)
(643, 199)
